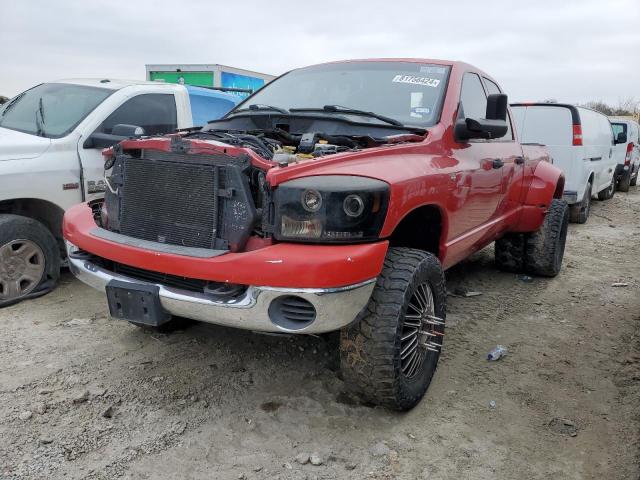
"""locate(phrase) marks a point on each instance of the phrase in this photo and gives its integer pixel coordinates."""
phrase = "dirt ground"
(83, 396)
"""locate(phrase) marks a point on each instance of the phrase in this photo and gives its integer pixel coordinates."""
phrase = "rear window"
(204, 109)
(618, 128)
(550, 125)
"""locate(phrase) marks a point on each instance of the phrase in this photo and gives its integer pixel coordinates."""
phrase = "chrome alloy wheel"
(22, 265)
(420, 332)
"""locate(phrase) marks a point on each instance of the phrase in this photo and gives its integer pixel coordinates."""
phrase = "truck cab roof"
(112, 83)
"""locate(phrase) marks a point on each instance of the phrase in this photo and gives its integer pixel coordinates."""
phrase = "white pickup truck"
(51, 139)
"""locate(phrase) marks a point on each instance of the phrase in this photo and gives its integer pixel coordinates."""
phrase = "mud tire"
(370, 347)
(544, 249)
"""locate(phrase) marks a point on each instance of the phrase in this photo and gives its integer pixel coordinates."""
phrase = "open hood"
(16, 145)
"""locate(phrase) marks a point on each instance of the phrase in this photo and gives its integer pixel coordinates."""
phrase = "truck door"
(509, 151)
(479, 179)
(155, 112)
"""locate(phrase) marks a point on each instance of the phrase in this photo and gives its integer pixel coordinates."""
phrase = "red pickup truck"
(332, 199)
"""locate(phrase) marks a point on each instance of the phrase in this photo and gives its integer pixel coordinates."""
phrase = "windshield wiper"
(40, 120)
(11, 103)
(350, 111)
(260, 107)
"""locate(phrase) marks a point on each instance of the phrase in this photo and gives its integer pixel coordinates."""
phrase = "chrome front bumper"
(335, 307)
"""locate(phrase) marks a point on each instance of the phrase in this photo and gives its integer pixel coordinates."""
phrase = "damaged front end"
(188, 200)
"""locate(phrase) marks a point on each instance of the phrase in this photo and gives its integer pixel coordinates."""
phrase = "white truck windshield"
(51, 110)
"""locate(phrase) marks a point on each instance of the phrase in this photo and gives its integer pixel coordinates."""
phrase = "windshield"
(408, 92)
(51, 110)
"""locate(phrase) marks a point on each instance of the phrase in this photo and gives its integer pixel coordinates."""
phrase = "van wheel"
(509, 252)
(634, 179)
(545, 248)
(579, 213)
(389, 355)
(608, 192)
(625, 182)
(29, 259)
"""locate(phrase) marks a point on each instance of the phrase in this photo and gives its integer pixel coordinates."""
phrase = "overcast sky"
(572, 50)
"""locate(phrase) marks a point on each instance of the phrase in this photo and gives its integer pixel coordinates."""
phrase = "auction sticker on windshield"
(429, 82)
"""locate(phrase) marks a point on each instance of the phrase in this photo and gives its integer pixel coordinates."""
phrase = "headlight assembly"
(330, 208)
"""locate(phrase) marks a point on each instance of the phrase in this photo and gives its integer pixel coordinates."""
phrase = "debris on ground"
(77, 322)
(303, 458)
(497, 353)
(81, 397)
(620, 284)
(462, 292)
(525, 278)
(25, 415)
(380, 449)
(563, 426)
(316, 459)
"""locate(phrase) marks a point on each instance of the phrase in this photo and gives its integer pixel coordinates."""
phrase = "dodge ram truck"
(332, 199)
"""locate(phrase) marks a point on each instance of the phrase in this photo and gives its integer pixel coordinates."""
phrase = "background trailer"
(210, 75)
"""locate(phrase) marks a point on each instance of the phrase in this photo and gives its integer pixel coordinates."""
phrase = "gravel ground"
(83, 396)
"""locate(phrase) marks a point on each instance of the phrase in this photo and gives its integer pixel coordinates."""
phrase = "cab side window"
(473, 97)
(492, 88)
(155, 112)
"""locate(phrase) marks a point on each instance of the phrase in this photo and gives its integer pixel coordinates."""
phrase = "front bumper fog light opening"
(291, 312)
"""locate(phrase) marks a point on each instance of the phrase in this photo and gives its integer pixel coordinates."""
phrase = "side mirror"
(494, 125)
(118, 133)
(620, 138)
(468, 128)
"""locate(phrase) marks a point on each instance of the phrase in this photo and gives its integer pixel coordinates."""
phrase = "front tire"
(29, 259)
(545, 248)
(390, 354)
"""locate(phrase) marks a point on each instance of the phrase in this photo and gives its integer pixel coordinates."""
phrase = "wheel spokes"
(32, 272)
(418, 337)
(10, 289)
(22, 265)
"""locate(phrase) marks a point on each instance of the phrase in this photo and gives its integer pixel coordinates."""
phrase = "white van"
(626, 151)
(580, 141)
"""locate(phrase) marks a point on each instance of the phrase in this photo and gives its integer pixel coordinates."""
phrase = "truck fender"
(547, 183)
(423, 226)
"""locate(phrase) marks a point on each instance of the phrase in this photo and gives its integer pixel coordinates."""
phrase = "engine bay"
(292, 139)
(284, 148)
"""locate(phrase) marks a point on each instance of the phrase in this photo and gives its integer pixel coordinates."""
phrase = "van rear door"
(551, 125)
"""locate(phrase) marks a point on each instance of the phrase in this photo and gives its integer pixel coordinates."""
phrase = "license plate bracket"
(138, 303)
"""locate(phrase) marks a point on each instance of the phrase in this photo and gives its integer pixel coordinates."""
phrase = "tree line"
(629, 107)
